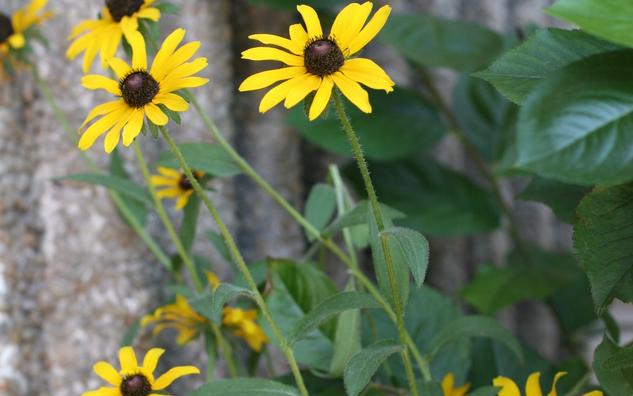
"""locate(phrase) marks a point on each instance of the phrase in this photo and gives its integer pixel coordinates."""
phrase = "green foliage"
(415, 249)
(167, 8)
(190, 222)
(429, 388)
(563, 198)
(245, 387)
(358, 216)
(621, 359)
(364, 364)
(130, 334)
(204, 305)
(320, 207)
(206, 157)
(401, 123)
(347, 338)
(224, 293)
(486, 391)
(617, 382)
(118, 184)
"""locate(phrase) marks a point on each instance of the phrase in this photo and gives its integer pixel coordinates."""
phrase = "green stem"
(160, 209)
(238, 257)
(383, 238)
(116, 198)
(226, 349)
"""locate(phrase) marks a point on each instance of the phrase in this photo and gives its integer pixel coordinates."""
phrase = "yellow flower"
(11, 30)
(135, 380)
(242, 324)
(177, 316)
(213, 279)
(449, 382)
(317, 62)
(532, 387)
(142, 90)
(119, 17)
(179, 185)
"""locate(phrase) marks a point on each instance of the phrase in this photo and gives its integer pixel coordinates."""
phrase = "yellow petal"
(298, 93)
(100, 82)
(102, 110)
(352, 26)
(509, 388)
(594, 393)
(155, 114)
(558, 375)
(79, 46)
(282, 42)
(447, 384)
(179, 57)
(342, 21)
(322, 98)
(298, 35)
(186, 70)
(129, 25)
(127, 358)
(103, 392)
(112, 138)
(311, 20)
(100, 127)
(189, 82)
(166, 50)
(169, 192)
(172, 101)
(151, 359)
(183, 199)
(159, 181)
(17, 21)
(133, 127)
(273, 54)
(169, 172)
(370, 30)
(532, 386)
(279, 93)
(17, 40)
(91, 52)
(110, 45)
(367, 72)
(139, 58)
(461, 391)
(108, 373)
(84, 26)
(269, 77)
(149, 13)
(120, 67)
(352, 91)
(164, 380)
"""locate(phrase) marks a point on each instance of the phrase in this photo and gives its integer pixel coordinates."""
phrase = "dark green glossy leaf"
(415, 249)
(617, 382)
(320, 207)
(619, 360)
(563, 198)
(118, 184)
(245, 387)
(206, 157)
(364, 364)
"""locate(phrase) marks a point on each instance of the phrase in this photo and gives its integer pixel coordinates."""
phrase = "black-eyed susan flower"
(141, 90)
(448, 384)
(242, 324)
(177, 183)
(179, 316)
(104, 35)
(135, 380)
(317, 62)
(532, 386)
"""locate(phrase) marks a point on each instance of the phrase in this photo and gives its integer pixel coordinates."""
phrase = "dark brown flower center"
(185, 183)
(323, 57)
(136, 385)
(120, 8)
(138, 88)
(6, 29)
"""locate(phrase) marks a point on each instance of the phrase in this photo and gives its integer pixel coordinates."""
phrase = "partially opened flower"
(177, 183)
(104, 35)
(12, 28)
(141, 90)
(317, 62)
(178, 316)
(242, 324)
(532, 386)
(135, 380)
(448, 384)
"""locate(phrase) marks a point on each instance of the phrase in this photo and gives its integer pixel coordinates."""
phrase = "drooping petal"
(102, 110)
(322, 98)
(299, 35)
(311, 20)
(166, 379)
(17, 40)
(139, 58)
(110, 45)
(353, 25)
(279, 93)
(94, 81)
(108, 373)
(155, 114)
(282, 42)
(172, 101)
(166, 50)
(103, 392)
(127, 358)
(370, 30)
(149, 13)
(269, 77)
(84, 26)
(183, 199)
(352, 91)
(151, 359)
(100, 127)
(78, 46)
(273, 54)
(509, 388)
(91, 51)
(298, 93)
(113, 137)
(133, 127)
(556, 378)
(120, 67)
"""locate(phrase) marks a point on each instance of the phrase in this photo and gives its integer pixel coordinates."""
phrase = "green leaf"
(153, 128)
(167, 8)
(210, 348)
(364, 364)
(207, 157)
(606, 19)
(220, 245)
(182, 290)
(332, 306)
(204, 305)
(401, 123)
(358, 216)
(245, 387)
(619, 360)
(291, 5)
(574, 126)
(415, 249)
(130, 334)
(486, 391)
(436, 200)
(320, 207)
(611, 326)
(202, 265)
(224, 293)
(436, 42)
(603, 243)
(118, 184)
(473, 326)
(173, 115)
(563, 198)
(430, 388)
(517, 72)
(190, 222)
(617, 382)
(136, 207)
(347, 339)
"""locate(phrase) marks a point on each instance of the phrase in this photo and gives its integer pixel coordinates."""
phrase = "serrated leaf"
(327, 309)
(207, 157)
(473, 326)
(364, 364)
(118, 184)
(415, 248)
(204, 305)
(617, 382)
(358, 216)
(563, 198)
(320, 207)
(245, 387)
(603, 243)
(574, 126)
(437, 42)
(517, 72)
(224, 293)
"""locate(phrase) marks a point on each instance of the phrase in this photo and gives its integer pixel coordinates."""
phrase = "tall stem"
(383, 238)
(238, 257)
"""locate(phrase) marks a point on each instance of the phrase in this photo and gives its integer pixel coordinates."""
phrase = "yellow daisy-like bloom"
(179, 316)
(135, 380)
(142, 90)
(178, 185)
(12, 29)
(119, 17)
(448, 384)
(242, 324)
(317, 62)
(532, 387)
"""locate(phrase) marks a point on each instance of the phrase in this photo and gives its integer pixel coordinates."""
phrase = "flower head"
(12, 29)
(532, 386)
(317, 62)
(178, 185)
(242, 324)
(178, 316)
(103, 35)
(142, 90)
(448, 384)
(135, 380)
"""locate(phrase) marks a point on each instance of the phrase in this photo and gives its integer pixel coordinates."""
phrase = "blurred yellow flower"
(317, 62)
(448, 384)
(135, 380)
(532, 387)
(12, 29)
(178, 185)
(213, 279)
(242, 324)
(178, 316)
(119, 17)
